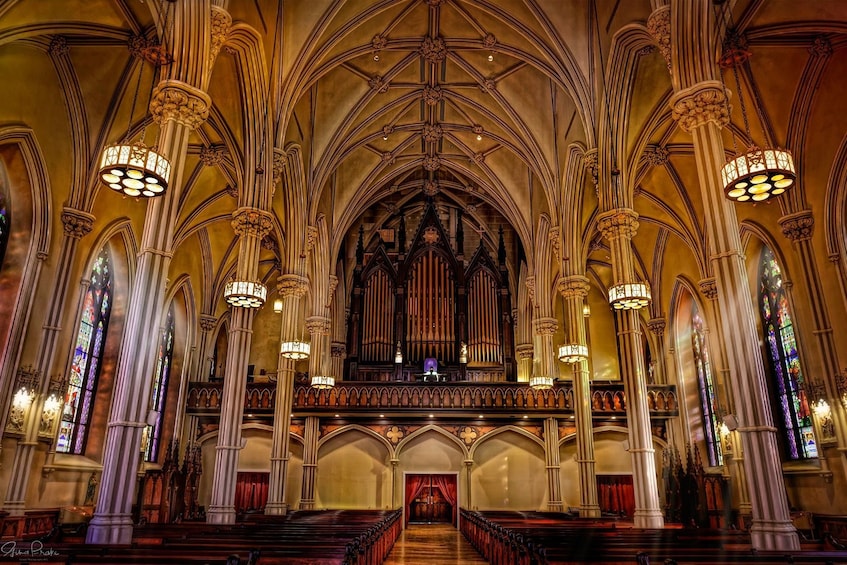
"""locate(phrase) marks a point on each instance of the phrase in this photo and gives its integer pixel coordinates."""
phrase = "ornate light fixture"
(761, 172)
(540, 383)
(322, 382)
(573, 353)
(278, 306)
(629, 296)
(295, 350)
(132, 168)
(245, 294)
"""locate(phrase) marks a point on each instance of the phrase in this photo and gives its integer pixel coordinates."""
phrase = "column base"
(649, 519)
(774, 536)
(220, 515)
(589, 511)
(276, 509)
(114, 529)
(307, 505)
(555, 507)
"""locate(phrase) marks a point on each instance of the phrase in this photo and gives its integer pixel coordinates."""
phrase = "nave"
(432, 544)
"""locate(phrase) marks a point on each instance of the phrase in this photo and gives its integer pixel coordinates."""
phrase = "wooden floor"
(436, 544)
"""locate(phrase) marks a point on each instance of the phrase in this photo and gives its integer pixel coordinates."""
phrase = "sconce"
(52, 406)
(398, 354)
(26, 384)
(841, 388)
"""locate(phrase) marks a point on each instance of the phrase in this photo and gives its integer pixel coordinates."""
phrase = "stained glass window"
(705, 384)
(794, 412)
(160, 387)
(85, 367)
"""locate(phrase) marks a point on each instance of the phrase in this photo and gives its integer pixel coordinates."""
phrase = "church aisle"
(438, 544)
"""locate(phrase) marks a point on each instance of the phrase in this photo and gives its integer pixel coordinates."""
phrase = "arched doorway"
(431, 498)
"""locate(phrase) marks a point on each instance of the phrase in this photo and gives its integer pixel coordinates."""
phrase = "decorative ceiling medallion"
(432, 163)
(430, 188)
(433, 50)
(432, 133)
(432, 95)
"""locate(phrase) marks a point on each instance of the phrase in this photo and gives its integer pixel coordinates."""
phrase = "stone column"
(551, 453)
(468, 469)
(292, 288)
(338, 349)
(179, 108)
(618, 226)
(546, 354)
(657, 373)
(574, 289)
(702, 111)
(310, 462)
(524, 353)
(394, 480)
(318, 328)
(799, 228)
(250, 225)
(77, 224)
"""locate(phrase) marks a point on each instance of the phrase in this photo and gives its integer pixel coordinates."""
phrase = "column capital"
(252, 221)
(545, 326)
(180, 102)
(620, 222)
(798, 226)
(530, 288)
(292, 285)
(702, 103)
(524, 351)
(709, 288)
(338, 349)
(659, 28)
(574, 286)
(589, 160)
(221, 22)
(207, 322)
(317, 325)
(280, 162)
(656, 155)
(657, 326)
(76, 223)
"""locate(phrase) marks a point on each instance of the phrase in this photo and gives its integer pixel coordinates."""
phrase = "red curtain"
(616, 494)
(251, 492)
(447, 485)
(415, 485)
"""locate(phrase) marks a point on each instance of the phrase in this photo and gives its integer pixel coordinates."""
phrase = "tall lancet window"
(160, 387)
(705, 384)
(795, 415)
(85, 367)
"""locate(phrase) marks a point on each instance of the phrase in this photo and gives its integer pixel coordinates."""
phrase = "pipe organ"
(428, 304)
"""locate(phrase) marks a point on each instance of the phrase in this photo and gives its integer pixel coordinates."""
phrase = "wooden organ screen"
(484, 343)
(430, 310)
(378, 330)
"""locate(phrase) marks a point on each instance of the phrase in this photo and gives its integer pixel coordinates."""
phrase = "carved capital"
(530, 288)
(311, 238)
(545, 326)
(317, 325)
(252, 221)
(659, 28)
(703, 103)
(655, 155)
(221, 22)
(212, 156)
(76, 223)
(524, 351)
(798, 226)
(657, 326)
(589, 159)
(207, 323)
(709, 288)
(575, 286)
(620, 222)
(556, 242)
(338, 349)
(333, 284)
(280, 162)
(292, 285)
(180, 102)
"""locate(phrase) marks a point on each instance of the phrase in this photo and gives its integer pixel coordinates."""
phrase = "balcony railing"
(608, 399)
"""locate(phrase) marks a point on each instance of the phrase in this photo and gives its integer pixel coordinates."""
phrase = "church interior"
(430, 259)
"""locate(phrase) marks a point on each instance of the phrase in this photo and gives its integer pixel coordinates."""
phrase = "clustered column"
(701, 110)
(251, 225)
(618, 226)
(310, 462)
(574, 289)
(179, 108)
(551, 452)
(292, 288)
